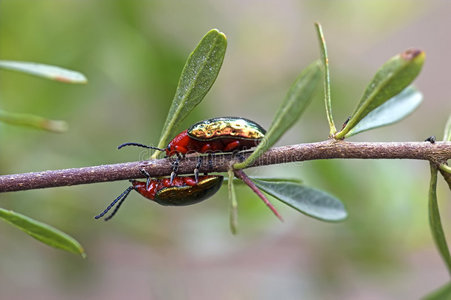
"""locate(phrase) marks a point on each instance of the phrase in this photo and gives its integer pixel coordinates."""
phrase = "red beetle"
(225, 134)
(183, 190)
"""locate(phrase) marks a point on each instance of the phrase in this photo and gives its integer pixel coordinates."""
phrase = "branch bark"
(436, 153)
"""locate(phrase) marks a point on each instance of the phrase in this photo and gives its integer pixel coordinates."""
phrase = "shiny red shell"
(224, 134)
(182, 191)
(184, 144)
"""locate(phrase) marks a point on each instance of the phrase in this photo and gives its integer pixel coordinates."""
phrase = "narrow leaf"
(46, 71)
(325, 63)
(33, 121)
(296, 101)
(233, 204)
(198, 75)
(312, 202)
(435, 222)
(42, 232)
(394, 110)
(447, 134)
(393, 77)
(443, 293)
(445, 170)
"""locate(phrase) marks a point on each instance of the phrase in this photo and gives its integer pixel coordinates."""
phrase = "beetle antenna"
(121, 198)
(116, 209)
(140, 145)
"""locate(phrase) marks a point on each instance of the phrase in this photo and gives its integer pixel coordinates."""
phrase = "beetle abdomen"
(189, 194)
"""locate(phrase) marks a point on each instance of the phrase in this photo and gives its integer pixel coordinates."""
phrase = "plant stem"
(241, 175)
(437, 153)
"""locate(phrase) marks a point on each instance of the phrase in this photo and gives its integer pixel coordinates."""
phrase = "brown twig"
(241, 175)
(437, 153)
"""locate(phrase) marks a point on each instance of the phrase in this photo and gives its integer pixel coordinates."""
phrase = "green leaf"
(42, 232)
(443, 293)
(33, 121)
(233, 203)
(325, 62)
(312, 202)
(445, 170)
(435, 222)
(447, 134)
(394, 110)
(198, 75)
(46, 71)
(297, 99)
(393, 77)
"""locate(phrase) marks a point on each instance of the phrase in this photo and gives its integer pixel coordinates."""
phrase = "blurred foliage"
(133, 53)
(42, 232)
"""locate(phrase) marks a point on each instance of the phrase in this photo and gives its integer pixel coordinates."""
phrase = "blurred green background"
(132, 53)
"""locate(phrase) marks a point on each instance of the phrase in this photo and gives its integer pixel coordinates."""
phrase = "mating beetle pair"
(225, 134)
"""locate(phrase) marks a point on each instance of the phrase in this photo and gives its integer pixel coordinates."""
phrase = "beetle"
(223, 134)
(183, 190)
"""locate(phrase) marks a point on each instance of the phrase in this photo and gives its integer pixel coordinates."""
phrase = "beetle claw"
(196, 170)
(175, 167)
(173, 174)
(210, 162)
(145, 173)
(196, 175)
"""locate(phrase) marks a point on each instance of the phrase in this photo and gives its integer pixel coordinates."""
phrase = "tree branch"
(437, 153)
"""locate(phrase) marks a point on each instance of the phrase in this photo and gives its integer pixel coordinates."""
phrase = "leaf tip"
(218, 32)
(55, 126)
(78, 80)
(411, 54)
(75, 78)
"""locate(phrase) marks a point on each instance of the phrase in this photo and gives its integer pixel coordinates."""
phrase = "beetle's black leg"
(240, 156)
(175, 168)
(145, 173)
(210, 163)
(196, 170)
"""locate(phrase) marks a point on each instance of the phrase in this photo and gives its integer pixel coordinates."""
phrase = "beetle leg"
(210, 163)
(145, 173)
(196, 170)
(175, 168)
(240, 156)
(231, 146)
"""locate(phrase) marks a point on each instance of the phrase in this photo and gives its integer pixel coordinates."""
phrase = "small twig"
(241, 175)
(437, 153)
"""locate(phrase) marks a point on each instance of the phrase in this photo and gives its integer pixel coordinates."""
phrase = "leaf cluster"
(44, 71)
